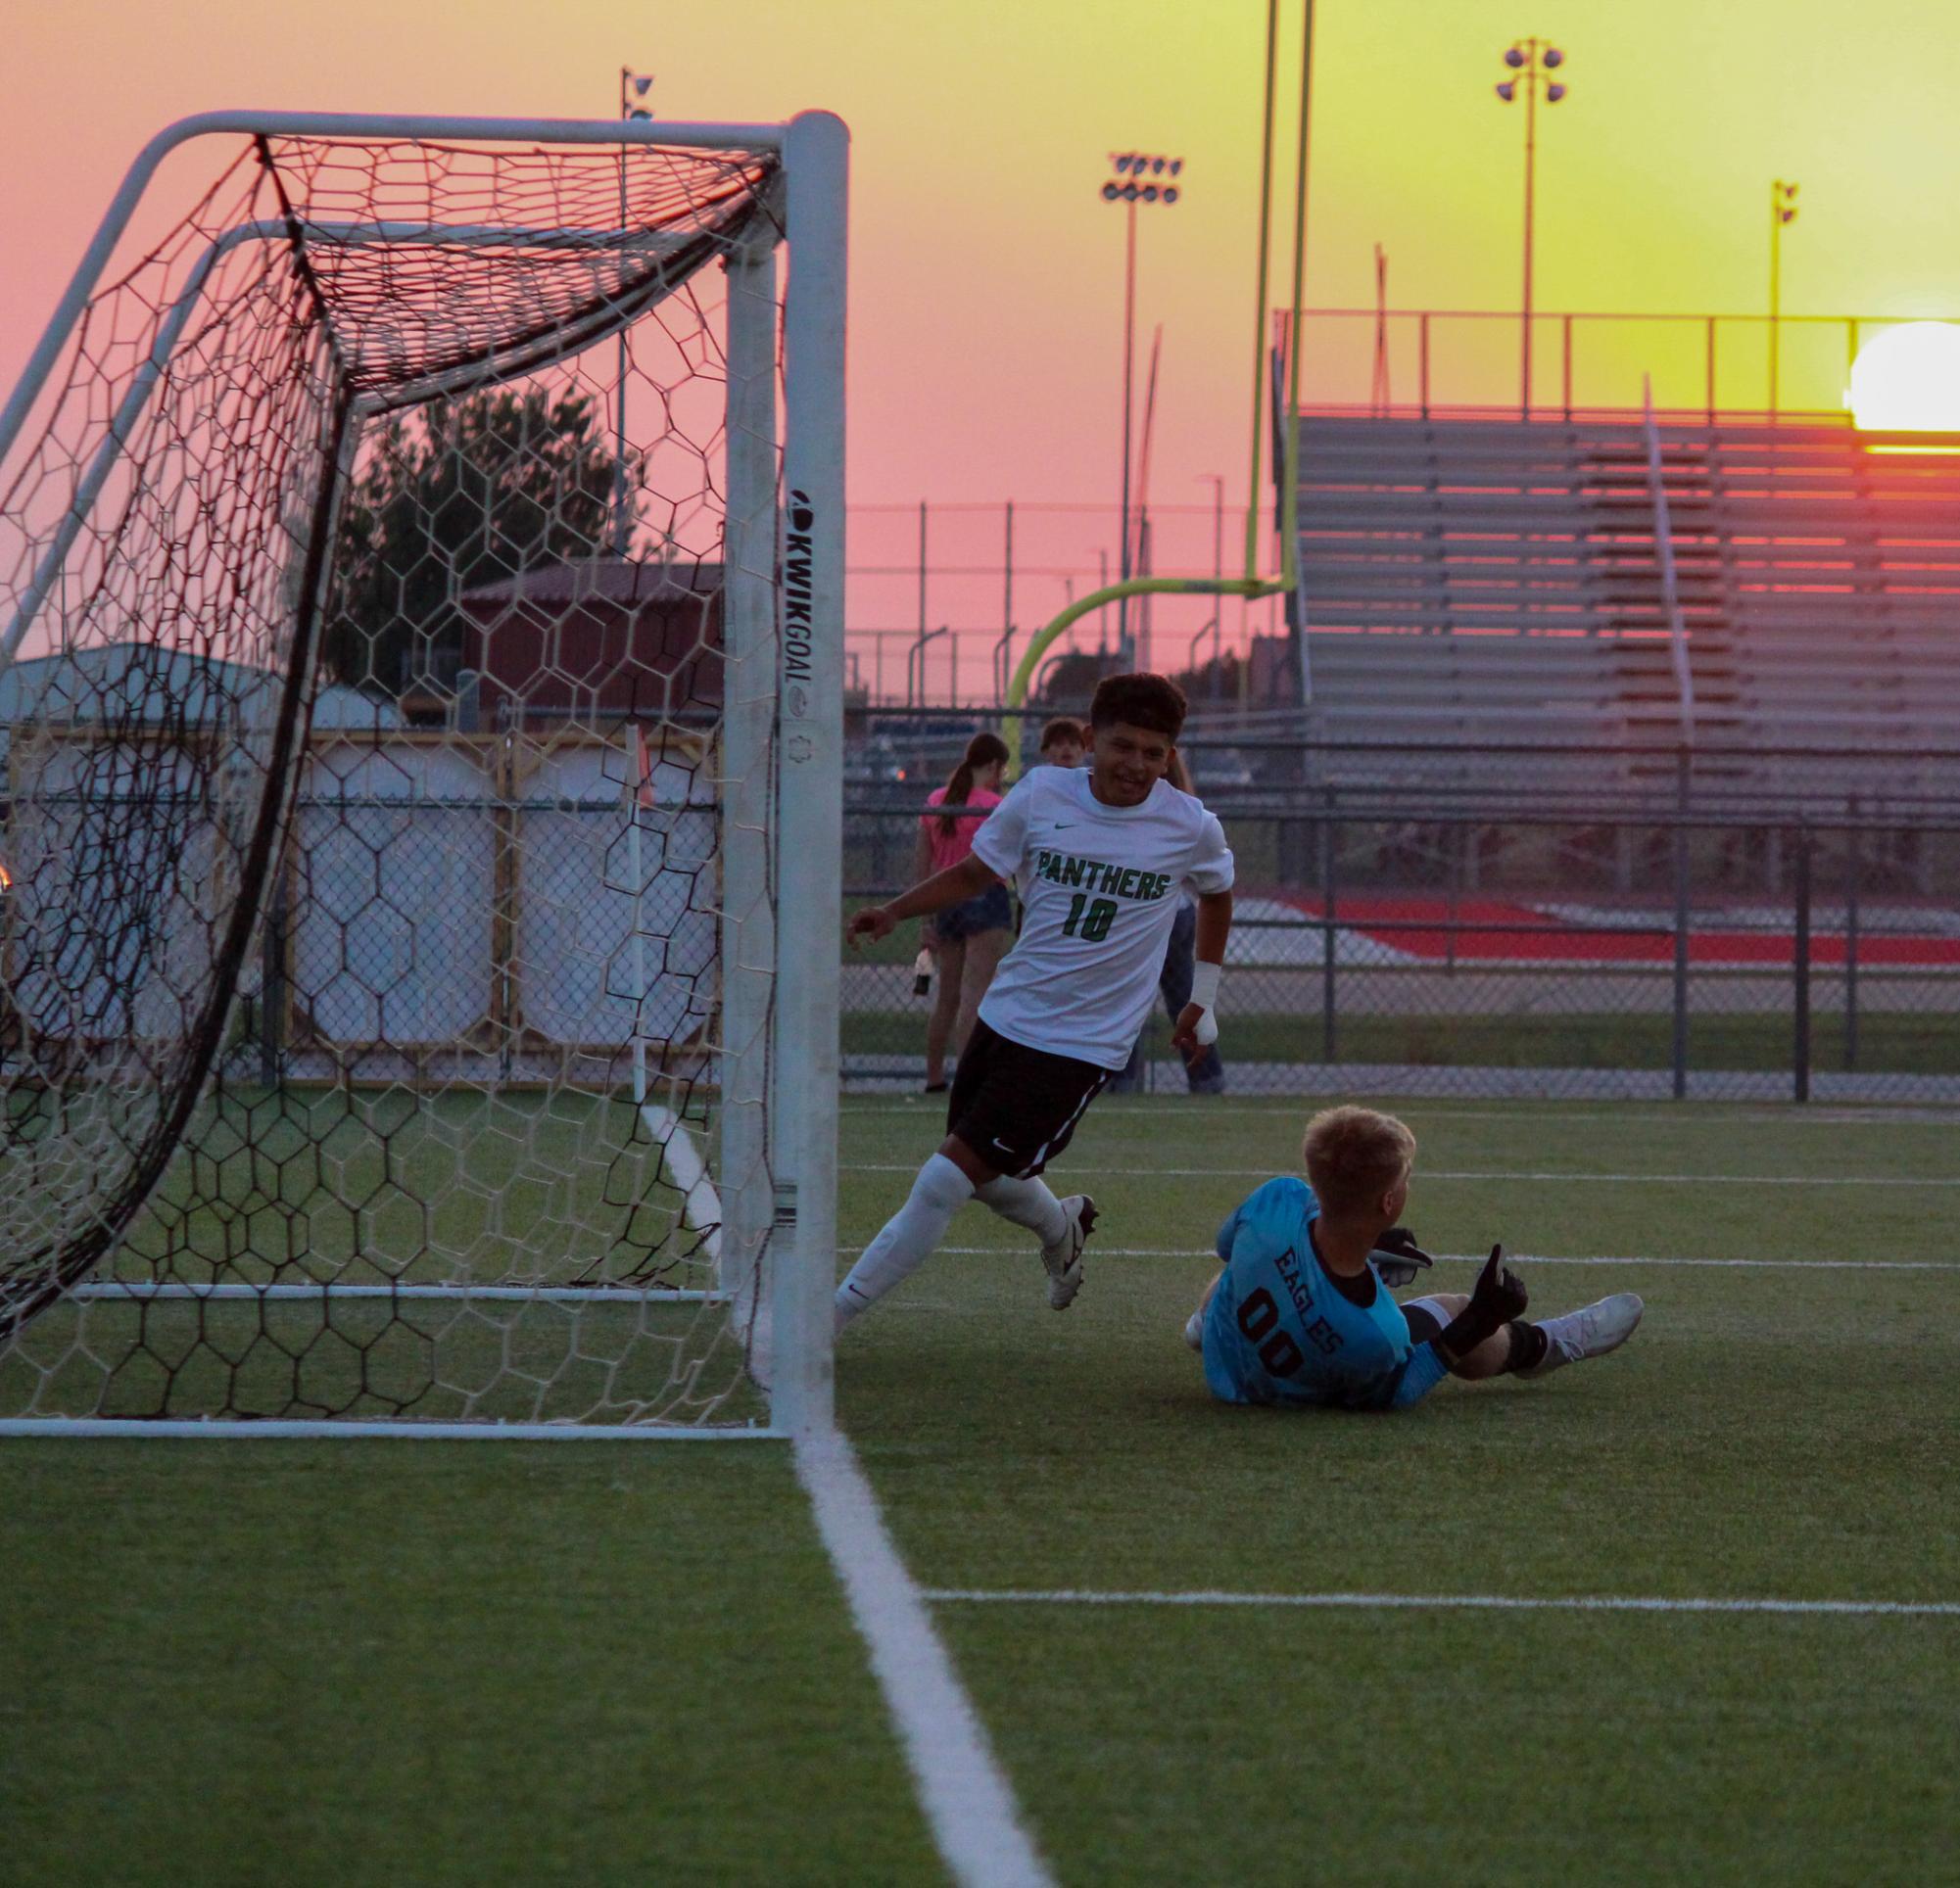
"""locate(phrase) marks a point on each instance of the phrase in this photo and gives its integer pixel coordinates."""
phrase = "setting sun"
(1907, 380)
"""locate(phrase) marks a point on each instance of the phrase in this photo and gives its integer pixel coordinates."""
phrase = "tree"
(461, 494)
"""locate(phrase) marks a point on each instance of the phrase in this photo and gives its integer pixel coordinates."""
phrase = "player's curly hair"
(1155, 702)
(1354, 1156)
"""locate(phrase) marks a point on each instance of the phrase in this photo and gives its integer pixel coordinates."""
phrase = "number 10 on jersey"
(1094, 923)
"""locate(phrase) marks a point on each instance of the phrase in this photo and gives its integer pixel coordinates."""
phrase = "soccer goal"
(420, 710)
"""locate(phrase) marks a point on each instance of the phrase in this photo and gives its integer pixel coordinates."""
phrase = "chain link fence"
(1516, 921)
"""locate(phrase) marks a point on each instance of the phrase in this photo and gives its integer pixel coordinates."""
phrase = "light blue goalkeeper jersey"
(1279, 1331)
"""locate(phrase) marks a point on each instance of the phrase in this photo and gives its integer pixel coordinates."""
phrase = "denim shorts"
(989, 911)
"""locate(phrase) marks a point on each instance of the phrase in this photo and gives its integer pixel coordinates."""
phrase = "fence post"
(922, 618)
(1422, 357)
(1800, 1047)
(1682, 761)
(1454, 841)
(1853, 871)
(1329, 851)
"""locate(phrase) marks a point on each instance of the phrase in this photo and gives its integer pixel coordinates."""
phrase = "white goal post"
(372, 1064)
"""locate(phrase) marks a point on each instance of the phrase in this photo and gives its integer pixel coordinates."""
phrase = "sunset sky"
(986, 275)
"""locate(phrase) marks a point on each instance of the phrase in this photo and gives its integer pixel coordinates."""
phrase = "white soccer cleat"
(1194, 1330)
(1589, 1331)
(1064, 1259)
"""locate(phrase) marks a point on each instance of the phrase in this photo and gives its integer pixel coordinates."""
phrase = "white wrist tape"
(1205, 994)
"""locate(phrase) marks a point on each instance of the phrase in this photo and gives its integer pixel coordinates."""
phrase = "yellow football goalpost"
(1252, 584)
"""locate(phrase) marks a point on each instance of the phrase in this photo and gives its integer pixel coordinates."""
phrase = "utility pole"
(1782, 210)
(1535, 60)
(633, 86)
(1135, 182)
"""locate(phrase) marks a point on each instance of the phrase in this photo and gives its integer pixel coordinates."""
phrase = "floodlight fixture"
(1507, 91)
(1554, 58)
(1514, 58)
(634, 85)
(1554, 93)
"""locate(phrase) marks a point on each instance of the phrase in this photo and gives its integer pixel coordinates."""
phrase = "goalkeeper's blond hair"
(1354, 1156)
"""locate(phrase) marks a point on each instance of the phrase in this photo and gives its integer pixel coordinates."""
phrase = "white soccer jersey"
(1101, 885)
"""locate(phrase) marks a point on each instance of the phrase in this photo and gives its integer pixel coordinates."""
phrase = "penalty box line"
(1447, 1602)
(1427, 1174)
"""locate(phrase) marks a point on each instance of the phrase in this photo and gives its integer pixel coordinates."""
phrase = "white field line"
(1145, 1112)
(701, 1204)
(1518, 1258)
(1426, 1174)
(962, 1787)
(1498, 1602)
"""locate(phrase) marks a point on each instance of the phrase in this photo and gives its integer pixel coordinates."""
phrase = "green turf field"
(321, 1663)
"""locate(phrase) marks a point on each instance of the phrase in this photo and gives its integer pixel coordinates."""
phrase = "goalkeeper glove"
(1397, 1257)
(1498, 1297)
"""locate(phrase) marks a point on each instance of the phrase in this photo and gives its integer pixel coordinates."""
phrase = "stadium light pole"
(1781, 211)
(634, 89)
(1135, 178)
(1217, 481)
(1534, 61)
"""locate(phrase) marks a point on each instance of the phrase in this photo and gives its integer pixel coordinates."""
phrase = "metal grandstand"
(1621, 584)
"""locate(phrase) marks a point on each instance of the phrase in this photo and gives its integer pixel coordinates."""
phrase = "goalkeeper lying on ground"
(1300, 1315)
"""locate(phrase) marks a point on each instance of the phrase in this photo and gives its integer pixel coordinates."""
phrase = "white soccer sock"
(1194, 1329)
(907, 1239)
(1026, 1203)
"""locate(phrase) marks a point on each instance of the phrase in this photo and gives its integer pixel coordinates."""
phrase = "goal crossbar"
(338, 124)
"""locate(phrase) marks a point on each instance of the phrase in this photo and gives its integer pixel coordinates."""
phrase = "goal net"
(419, 576)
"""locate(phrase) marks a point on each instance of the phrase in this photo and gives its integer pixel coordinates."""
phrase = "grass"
(553, 1663)
(327, 1662)
(1896, 1042)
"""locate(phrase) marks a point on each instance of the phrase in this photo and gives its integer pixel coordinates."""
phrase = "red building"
(600, 641)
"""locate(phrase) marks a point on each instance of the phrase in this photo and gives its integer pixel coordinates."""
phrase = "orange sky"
(986, 274)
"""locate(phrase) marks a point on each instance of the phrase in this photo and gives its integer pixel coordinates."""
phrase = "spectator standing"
(971, 938)
(1063, 742)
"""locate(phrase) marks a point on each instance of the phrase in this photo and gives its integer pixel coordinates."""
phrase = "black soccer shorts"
(1016, 1107)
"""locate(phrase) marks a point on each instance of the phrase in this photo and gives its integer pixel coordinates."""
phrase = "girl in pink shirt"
(969, 939)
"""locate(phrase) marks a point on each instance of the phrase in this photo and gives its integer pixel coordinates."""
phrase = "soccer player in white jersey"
(1100, 856)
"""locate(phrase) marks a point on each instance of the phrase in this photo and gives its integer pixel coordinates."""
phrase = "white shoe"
(1064, 1259)
(1589, 1331)
(1194, 1330)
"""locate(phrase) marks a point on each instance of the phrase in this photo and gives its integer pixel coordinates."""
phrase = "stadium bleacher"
(1497, 581)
